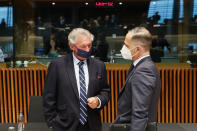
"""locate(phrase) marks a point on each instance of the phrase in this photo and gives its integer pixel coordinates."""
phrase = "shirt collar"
(76, 60)
(139, 59)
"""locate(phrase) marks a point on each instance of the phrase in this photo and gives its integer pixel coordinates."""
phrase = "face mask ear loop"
(133, 49)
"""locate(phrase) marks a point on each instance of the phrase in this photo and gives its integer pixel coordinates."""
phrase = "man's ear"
(71, 46)
(139, 48)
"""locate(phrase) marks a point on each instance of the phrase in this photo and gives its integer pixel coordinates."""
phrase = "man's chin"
(81, 58)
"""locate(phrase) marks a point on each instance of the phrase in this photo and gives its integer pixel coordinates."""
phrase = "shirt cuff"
(99, 105)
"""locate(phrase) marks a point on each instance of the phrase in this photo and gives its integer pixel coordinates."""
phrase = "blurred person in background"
(62, 21)
(102, 47)
(1, 56)
(2, 25)
(52, 47)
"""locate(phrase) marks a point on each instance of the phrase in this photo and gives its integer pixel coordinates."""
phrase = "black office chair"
(105, 126)
(193, 59)
(36, 109)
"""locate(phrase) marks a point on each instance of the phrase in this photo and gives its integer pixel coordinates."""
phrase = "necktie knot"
(80, 63)
(131, 68)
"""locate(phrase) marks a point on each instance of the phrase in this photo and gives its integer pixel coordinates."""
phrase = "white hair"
(77, 32)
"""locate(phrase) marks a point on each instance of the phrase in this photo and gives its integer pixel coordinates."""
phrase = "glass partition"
(6, 31)
(37, 24)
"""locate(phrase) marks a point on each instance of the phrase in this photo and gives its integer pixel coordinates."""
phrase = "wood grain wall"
(177, 103)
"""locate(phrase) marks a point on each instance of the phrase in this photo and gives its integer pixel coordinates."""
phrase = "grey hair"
(141, 36)
(77, 32)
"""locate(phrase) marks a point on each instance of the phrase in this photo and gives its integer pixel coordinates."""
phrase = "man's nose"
(87, 49)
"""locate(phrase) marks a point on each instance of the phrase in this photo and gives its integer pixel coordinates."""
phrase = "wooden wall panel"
(178, 97)
(16, 94)
(159, 107)
(174, 95)
(177, 103)
(1, 99)
(194, 95)
(5, 109)
(13, 98)
(162, 97)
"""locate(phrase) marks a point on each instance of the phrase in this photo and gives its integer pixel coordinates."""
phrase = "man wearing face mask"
(76, 87)
(137, 101)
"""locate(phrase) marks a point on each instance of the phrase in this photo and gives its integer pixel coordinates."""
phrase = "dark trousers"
(83, 127)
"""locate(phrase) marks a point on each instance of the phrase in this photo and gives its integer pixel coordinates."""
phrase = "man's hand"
(93, 102)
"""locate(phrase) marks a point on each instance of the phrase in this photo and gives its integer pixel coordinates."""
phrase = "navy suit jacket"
(61, 97)
(137, 101)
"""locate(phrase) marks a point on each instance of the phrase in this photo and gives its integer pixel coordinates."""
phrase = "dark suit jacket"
(61, 97)
(137, 101)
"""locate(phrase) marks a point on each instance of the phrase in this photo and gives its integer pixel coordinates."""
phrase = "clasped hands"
(93, 102)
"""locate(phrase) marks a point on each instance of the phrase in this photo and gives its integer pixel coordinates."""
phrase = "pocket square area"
(98, 77)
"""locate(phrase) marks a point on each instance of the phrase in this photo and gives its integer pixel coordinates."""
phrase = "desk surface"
(28, 127)
(105, 127)
(159, 65)
(177, 127)
(40, 127)
(30, 65)
(108, 65)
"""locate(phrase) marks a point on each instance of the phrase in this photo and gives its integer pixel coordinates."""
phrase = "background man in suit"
(137, 101)
(76, 87)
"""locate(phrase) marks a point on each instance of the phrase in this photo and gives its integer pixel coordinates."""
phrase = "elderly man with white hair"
(76, 87)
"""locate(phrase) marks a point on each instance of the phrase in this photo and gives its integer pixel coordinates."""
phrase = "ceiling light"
(53, 3)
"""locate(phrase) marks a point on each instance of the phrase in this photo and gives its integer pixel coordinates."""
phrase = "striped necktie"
(131, 68)
(83, 96)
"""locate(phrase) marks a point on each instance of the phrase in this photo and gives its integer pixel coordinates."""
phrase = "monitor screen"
(164, 8)
(194, 45)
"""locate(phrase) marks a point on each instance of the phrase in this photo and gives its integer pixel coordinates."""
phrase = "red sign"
(110, 4)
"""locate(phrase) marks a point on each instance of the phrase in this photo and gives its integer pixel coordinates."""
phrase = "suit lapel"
(91, 75)
(128, 77)
(131, 73)
(71, 73)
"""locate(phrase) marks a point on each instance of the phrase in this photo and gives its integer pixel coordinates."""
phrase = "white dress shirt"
(85, 68)
(139, 59)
